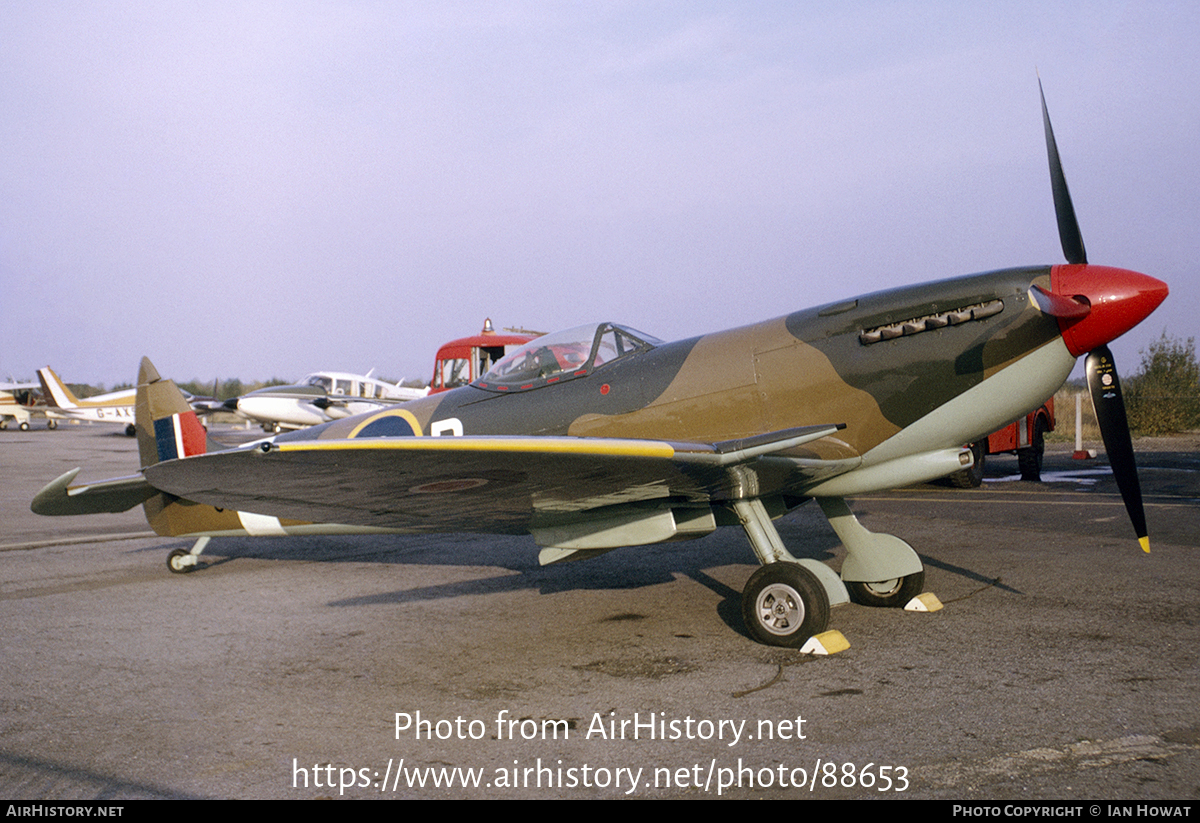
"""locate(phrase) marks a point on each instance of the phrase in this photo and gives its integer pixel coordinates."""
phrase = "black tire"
(1029, 459)
(784, 604)
(888, 594)
(52, 424)
(970, 478)
(24, 426)
(130, 430)
(175, 564)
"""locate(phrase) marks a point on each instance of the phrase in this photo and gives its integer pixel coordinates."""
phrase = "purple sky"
(262, 190)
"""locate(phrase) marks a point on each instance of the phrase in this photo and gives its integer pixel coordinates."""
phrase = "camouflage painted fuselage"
(878, 364)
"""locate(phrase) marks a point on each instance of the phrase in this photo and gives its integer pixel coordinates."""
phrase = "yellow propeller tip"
(1145, 543)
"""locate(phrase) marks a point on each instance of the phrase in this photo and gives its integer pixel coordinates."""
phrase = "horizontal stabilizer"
(59, 497)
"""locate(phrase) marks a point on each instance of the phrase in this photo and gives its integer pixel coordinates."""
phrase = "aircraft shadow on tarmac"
(804, 531)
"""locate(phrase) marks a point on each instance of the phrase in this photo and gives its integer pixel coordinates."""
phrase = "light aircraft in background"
(603, 437)
(319, 398)
(62, 404)
(11, 406)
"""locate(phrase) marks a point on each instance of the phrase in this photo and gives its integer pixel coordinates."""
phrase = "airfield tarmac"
(1064, 665)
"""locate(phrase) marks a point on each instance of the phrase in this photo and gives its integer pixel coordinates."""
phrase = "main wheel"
(1029, 459)
(175, 561)
(970, 478)
(784, 604)
(891, 594)
(52, 424)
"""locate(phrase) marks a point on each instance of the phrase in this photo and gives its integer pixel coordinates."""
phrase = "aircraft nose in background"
(1119, 300)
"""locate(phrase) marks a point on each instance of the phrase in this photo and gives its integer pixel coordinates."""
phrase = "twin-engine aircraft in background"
(602, 436)
(319, 398)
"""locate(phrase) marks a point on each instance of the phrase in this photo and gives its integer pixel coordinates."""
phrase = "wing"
(555, 487)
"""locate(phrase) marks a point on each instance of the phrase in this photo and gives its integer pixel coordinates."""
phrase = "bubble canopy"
(564, 355)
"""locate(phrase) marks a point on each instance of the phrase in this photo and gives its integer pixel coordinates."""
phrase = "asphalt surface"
(1063, 666)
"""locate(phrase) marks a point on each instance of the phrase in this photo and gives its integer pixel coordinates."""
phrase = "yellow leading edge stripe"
(540, 445)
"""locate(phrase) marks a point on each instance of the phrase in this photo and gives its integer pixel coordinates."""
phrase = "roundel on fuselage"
(390, 423)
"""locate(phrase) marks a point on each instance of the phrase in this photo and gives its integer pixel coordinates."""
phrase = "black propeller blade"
(1068, 226)
(1103, 384)
(1105, 389)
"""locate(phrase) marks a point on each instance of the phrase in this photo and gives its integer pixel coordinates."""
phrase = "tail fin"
(167, 427)
(55, 390)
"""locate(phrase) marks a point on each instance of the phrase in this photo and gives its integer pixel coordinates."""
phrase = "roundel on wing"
(390, 423)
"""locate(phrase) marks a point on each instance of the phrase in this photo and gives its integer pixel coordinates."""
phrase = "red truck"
(462, 361)
(1024, 437)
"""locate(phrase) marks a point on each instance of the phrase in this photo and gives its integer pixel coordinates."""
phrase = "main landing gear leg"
(880, 569)
(182, 561)
(786, 601)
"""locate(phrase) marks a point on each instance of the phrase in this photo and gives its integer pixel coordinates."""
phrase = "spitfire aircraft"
(602, 436)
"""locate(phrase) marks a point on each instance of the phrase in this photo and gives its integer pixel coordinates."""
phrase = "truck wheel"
(1029, 459)
(971, 478)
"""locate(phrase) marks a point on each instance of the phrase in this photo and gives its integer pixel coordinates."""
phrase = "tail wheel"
(784, 604)
(888, 594)
(180, 561)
